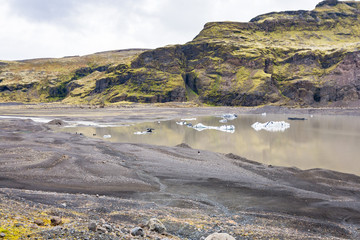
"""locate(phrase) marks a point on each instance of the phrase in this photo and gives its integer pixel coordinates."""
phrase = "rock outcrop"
(295, 58)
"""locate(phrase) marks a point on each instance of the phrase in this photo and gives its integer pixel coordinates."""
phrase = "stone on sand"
(219, 236)
(156, 225)
(137, 231)
(55, 221)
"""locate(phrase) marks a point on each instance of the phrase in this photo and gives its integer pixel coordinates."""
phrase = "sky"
(57, 28)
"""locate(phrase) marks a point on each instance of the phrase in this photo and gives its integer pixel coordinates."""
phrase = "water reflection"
(330, 142)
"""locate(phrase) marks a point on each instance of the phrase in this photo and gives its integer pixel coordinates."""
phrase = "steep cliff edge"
(296, 58)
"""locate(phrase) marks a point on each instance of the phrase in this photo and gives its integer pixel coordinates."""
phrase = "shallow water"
(331, 142)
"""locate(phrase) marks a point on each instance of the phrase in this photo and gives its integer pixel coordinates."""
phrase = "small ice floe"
(224, 120)
(141, 133)
(271, 126)
(148, 130)
(184, 123)
(224, 128)
(188, 119)
(228, 117)
(107, 136)
(200, 126)
(263, 114)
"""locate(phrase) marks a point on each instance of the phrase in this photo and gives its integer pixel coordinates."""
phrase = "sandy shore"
(193, 193)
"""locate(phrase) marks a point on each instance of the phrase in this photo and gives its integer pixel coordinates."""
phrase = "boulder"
(57, 122)
(101, 229)
(219, 236)
(39, 222)
(92, 226)
(156, 225)
(55, 221)
(137, 231)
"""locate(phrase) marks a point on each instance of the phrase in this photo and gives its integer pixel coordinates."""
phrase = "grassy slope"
(44, 74)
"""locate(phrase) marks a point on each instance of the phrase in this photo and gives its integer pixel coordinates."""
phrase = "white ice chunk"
(200, 126)
(107, 136)
(224, 128)
(229, 116)
(224, 120)
(271, 126)
(140, 133)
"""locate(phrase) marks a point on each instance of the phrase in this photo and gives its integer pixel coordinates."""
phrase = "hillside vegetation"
(295, 58)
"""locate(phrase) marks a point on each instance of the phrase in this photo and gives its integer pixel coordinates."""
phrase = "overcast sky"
(57, 28)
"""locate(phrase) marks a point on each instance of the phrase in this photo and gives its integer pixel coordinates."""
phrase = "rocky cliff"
(296, 58)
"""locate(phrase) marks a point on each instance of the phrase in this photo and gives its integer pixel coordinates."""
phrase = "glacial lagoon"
(331, 142)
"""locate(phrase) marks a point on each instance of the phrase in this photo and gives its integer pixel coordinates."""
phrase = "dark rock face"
(327, 2)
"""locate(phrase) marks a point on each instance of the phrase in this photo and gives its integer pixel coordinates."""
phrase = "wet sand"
(315, 203)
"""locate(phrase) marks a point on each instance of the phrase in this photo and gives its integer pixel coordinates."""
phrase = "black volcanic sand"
(43, 168)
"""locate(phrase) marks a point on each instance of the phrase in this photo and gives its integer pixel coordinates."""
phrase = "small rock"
(138, 231)
(92, 226)
(219, 236)
(2, 235)
(57, 228)
(33, 226)
(39, 222)
(108, 227)
(101, 229)
(156, 225)
(19, 225)
(63, 204)
(57, 122)
(55, 221)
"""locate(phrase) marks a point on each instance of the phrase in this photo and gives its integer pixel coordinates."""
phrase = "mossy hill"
(295, 58)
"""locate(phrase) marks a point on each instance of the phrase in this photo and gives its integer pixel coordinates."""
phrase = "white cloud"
(56, 28)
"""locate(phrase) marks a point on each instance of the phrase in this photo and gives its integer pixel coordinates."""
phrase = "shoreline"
(243, 194)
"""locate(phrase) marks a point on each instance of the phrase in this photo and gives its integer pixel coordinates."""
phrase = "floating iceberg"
(200, 126)
(141, 133)
(224, 128)
(184, 123)
(148, 130)
(271, 126)
(228, 117)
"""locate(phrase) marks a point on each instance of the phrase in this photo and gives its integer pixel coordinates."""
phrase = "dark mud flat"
(194, 194)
